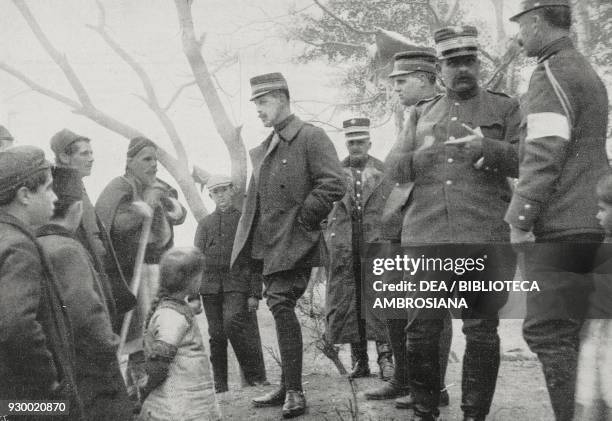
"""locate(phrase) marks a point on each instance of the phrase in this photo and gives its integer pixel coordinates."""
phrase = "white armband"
(547, 125)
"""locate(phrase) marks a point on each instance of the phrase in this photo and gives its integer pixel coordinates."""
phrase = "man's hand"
(152, 195)
(473, 142)
(518, 236)
(252, 304)
(143, 209)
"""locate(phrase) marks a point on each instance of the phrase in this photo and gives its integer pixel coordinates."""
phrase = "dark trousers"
(480, 321)
(555, 314)
(282, 290)
(396, 329)
(228, 318)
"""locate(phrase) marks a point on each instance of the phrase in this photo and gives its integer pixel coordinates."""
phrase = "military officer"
(458, 151)
(296, 178)
(554, 204)
(414, 79)
(354, 221)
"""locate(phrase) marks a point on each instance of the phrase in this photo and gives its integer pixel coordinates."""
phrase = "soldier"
(6, 139)
(36, 343)
(414, 79)
(296, 178)
(458, 150)
(74, 151)
(554, 204)
(230, 297)
(353, 222)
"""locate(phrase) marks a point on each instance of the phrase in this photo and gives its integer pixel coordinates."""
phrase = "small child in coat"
(179, 383)
(594, 378)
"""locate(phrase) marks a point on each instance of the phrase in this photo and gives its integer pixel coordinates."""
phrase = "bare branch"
(55, 55)
(39, 88)
(452, 12)
(342, 21)
(151, 99)
(334, 44)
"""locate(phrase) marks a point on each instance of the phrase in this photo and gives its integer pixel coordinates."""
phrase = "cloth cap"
(5, 134)
(67, 183)
(417, 60)
(18, 163)
(529, 5)
(64, 138)
(456, 41)
(218, 180)
(137, 144)
(356, 128)
(263, 84)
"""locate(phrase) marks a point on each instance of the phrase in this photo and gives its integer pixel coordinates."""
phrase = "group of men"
(445, 183)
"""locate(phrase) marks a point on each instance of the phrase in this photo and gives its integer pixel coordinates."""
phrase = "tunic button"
(454, 119)
(359, 182)
(451, 138)
(333, 234)
(450, 160)
(528, 206)
(456, 104)
(358, 195)
(396, 184)
(487, 168)
(449, 182)
(521, 218)
(284, 161)
(358, 172)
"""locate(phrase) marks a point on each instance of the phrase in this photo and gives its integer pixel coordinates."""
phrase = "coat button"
(449, 182)
(359, 183)
(453, 118)
(521, 218)
(456, 104)
(396, 184)
(284, 161)
(333, 234)
(450, 160)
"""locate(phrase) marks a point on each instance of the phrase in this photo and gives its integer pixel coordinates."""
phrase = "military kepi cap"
(5, 134)
(67, 184)
(417, 60)
(63, 139)
(137, 144)
(529, 5)
(456, 41)
(19, 163)
(218, 180)
(356, 128)
(263, 84)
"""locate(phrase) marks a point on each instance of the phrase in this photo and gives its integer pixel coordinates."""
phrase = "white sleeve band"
(546, 125)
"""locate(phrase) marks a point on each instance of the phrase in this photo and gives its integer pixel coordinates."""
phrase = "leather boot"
(385, 360)
(405, 402)
(295, 404)
(274, 398)
(359, 358)
(389, 390)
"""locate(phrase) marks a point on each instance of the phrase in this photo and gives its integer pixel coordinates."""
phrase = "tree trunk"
(228, 132)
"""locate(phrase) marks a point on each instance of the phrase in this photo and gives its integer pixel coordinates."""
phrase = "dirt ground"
(520, 394)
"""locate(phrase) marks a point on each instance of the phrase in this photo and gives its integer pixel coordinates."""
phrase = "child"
(179, 385)
(230, 297)
(594, 379)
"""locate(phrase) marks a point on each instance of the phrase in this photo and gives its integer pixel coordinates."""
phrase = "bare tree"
(177, 164)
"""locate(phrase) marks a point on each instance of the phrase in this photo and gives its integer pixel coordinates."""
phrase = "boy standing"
(230, 297)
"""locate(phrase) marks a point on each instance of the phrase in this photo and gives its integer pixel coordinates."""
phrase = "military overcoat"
(298, 179)
(340, 305)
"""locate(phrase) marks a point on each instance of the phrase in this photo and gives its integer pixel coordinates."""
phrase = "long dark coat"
(341, 311)
(36, 344)
(98, 377)
(300, 177)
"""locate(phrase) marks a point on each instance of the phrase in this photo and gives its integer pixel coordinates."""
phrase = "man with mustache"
(563, 155)
(296, 178)
(74, 151)
(123, 206)
(458, 149)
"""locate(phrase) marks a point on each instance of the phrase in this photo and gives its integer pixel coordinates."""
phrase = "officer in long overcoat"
(296, 178)
(562, 156)
(354, 221)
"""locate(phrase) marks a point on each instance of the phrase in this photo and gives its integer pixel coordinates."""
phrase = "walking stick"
(136, 278)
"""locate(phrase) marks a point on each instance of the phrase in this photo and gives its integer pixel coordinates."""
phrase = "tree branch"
(452, 11)
(151, 99)
(55, 55)
(342, 21)
(334, 43)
